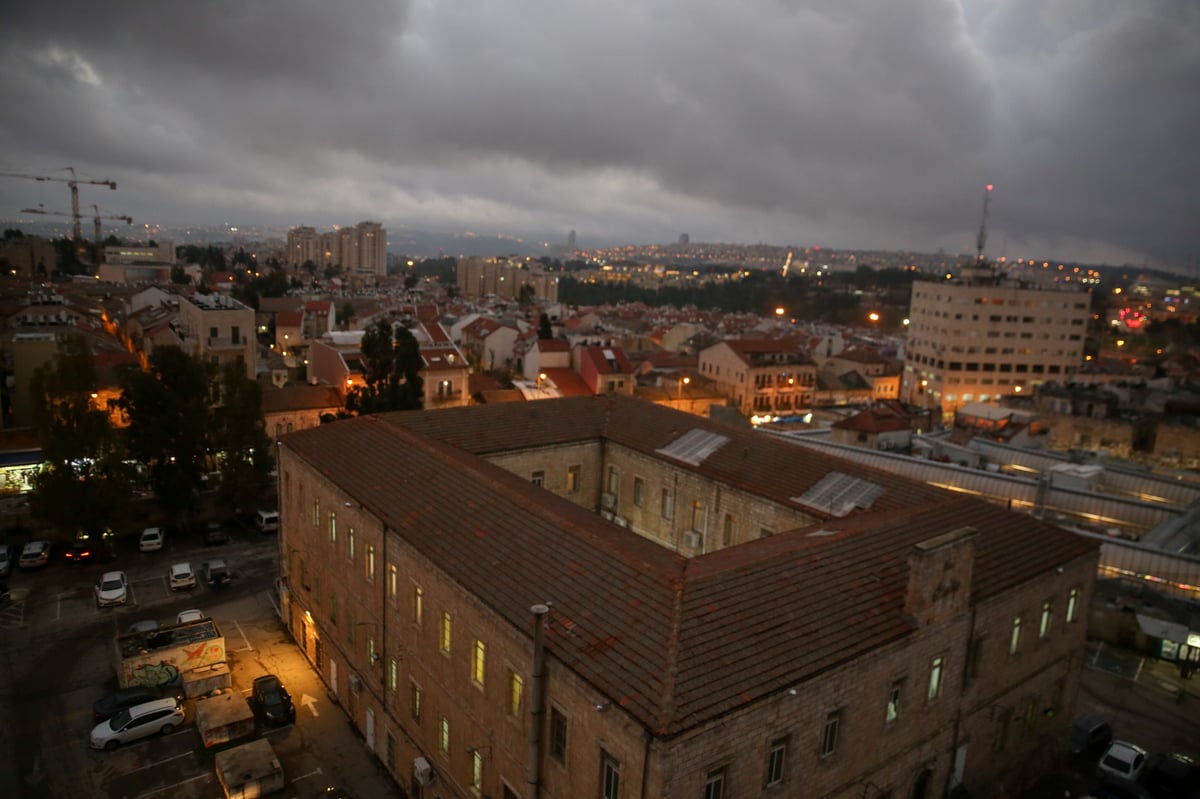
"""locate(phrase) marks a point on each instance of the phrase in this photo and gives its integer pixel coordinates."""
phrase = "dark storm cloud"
(855, 123)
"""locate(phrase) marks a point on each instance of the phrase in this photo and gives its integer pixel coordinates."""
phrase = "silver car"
(139, 721)
(112, 589)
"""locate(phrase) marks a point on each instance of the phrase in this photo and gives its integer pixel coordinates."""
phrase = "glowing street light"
(873, 316)
(683, 381)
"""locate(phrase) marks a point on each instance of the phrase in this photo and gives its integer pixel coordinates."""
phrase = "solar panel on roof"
(694, 446)
(839, 493)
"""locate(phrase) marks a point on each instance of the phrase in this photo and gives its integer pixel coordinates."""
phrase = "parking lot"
(57, 657)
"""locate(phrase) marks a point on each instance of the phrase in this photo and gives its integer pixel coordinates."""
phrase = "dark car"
(214, 533)
(1089, 734)
(1172, 775)
(86, 550)
(273, 700)
(114, 703)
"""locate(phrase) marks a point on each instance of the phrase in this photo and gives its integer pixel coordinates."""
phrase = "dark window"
(714, 786)
(830, 735)
(775, 760)
(558, 735)
(610, 776)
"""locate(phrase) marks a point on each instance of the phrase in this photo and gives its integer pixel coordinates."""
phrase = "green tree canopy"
(170, 423)
(393, 363)
(83, 486)
(243, 448)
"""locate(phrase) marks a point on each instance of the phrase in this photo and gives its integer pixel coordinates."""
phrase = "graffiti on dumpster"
(154, 674)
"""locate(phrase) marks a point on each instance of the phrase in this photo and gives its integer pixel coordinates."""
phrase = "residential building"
(761, 377)
(217, 328)
(361, 251)
(606, 597)
(983, 336)
(476, 277)
(604, 369)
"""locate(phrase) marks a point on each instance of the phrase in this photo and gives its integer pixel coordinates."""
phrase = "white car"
(34, 554)
(1123, 760)
(112, 589)
(139, 721)
(181, 576)
(189, 616)
(151, 540)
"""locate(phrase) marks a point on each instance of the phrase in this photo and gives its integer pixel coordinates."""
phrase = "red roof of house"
(289, 319)
(553, 345)
(873, 421)
(608, 360)
(666, 637)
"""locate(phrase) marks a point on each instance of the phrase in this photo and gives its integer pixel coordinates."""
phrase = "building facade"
(983, 336)
(476, 277)
(361, 250)
(761, 377)
(217, 329)
(506, 603)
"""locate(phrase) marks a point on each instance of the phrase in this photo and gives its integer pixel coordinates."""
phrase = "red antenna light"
(989, 187)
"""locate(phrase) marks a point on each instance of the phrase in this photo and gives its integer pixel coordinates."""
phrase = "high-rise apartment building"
(983, 336)
(477, 276)
(361, 250)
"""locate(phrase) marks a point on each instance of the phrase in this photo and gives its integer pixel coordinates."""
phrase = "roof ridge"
(669, 704)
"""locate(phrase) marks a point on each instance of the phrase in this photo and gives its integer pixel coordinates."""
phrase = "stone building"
(761, 376)
(602, 597)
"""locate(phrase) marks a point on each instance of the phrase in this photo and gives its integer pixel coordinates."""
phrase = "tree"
(545, 331)
(83, 485)
(179, 276)
(169, 423)
(345, 314)
(526, 296)
(393, 363)
(243, 448)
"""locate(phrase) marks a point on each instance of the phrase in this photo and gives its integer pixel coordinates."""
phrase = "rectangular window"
(393, 674)
(614, 480)
(332, 527)
(714, 786)
(390, 752)
(372, 655)
(573, 479)
(1072, 605)
(476, 771)
(316, 517)
(775, 760)
(478, 662)
(350, 627)
(610, 776)
(371, 562)
(893, 703)
(974, 658)
(639, 491)
(445, 633)
(333, 608)
(349, 543)
(727, 531)
(444, 734)
(538, 478)
(1014, 640)
(418, 604)
(393, 582)
(558, 735)
(1047, 618)
(414, 701)
(935, 678)
(830, 735)
(668, 504)
(516, 693)
(699, 516)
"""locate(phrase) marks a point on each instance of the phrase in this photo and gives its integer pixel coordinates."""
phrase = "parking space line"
(309, 774)
(247, 647)
(203, 776)
(159, 763)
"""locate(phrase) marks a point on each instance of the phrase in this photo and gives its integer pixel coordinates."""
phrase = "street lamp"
(683, 381)
(541, 376)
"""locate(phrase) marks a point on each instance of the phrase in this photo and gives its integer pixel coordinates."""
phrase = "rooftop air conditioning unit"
(422, 771)
(693, 539)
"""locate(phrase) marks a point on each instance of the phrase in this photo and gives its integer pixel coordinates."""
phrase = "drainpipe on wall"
(537, 704)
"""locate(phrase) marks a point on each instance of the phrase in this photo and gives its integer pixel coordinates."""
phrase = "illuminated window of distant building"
(478, 662)
(414, 701)
(935, 678)
(445, 632)
(1014, 639)
(393, 582)
(1072, 605)
(332, 527)
(893, 703)
(476, 771)
(516, 693)
(371, 562)
(573, 479)
(349, 542)
(444, 734)
(393, 673)
(1047, 618)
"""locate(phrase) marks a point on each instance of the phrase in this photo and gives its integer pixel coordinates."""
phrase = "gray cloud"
(855, 123)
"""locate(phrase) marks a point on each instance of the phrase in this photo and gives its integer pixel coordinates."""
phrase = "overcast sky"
(844, 123)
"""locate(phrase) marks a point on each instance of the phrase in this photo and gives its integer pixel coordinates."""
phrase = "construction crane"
(981, 239)
(73, 182)
(126, 219)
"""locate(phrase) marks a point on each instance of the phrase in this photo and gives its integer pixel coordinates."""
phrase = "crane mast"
(981, 239)
(73, 182)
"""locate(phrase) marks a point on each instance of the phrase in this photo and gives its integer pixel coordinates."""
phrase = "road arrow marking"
(310, 703)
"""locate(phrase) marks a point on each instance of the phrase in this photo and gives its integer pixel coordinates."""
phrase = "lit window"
(1014, 641)
(935, 678)
(393, 582)
(371, 656)
(1047, 617)
(830, 735)
(349, 541)
(445, 637)
(414, 701)
(444, 734)
(610, 776)
(573, 479)
(476, 771)
(478, 662)
(418, 604)
(332, 527)
(516, 693)
(1072, 605)
(893, 703)
(371, 562)
(775, 760)
(393, 673)
(558, 735)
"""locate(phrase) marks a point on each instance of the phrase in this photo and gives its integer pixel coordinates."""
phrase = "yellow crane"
(73, 182)
(99, 248)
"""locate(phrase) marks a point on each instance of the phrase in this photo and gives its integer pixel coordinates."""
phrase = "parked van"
(268, 521)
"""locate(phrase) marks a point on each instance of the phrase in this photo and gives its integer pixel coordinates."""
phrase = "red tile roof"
(666, 637)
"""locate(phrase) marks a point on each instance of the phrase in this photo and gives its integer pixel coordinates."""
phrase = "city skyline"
(857, 128)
